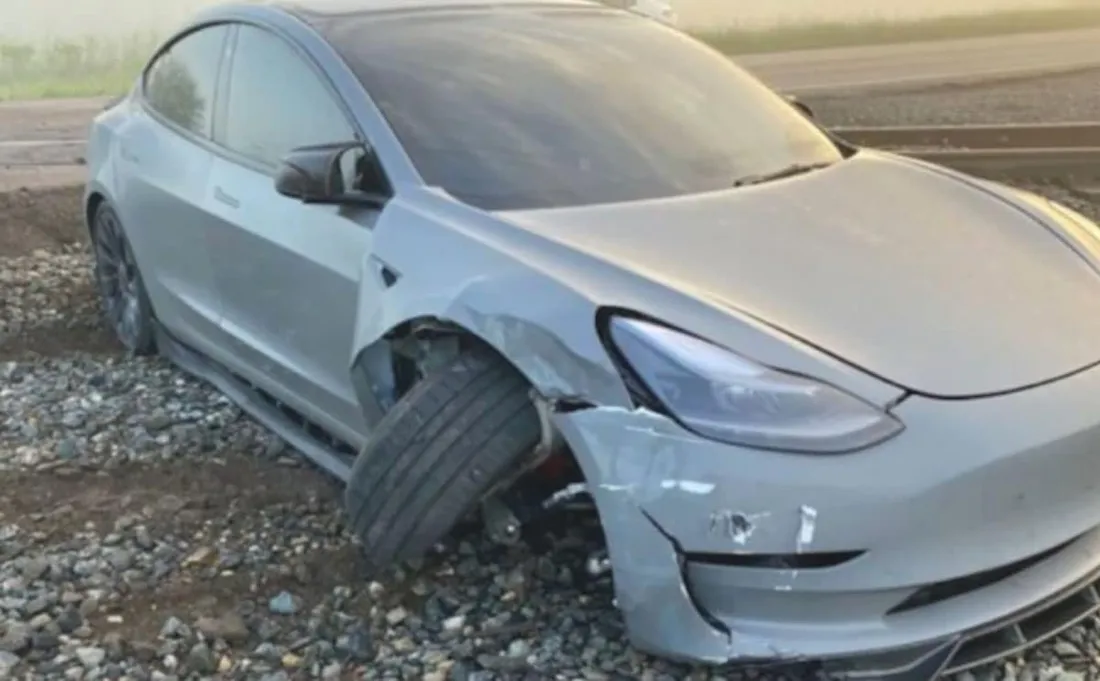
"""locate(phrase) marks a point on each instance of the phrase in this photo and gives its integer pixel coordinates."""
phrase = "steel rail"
(1026, 136)
(1003, 151)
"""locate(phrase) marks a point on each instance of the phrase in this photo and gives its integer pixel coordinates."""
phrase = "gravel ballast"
(1073, 97)
(150, 530)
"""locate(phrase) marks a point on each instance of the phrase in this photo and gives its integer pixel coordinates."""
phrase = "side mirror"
(315, 174)
(803, 107)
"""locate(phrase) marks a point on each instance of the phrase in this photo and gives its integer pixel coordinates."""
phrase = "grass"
(90, 67)
(837, 34)
(78, 68)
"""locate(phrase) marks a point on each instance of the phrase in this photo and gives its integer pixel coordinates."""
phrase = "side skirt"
(320, 447)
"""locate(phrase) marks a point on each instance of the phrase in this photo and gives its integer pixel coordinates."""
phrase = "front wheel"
(121, 288)
(439, 450)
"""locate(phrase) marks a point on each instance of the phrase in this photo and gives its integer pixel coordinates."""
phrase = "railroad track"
(1002, 151)
(1057, 150)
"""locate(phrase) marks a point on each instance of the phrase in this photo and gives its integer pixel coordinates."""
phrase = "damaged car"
(830, 404)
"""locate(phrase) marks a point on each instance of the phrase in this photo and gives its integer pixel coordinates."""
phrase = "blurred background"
(75, 48)
(703, 14)
(69, 19)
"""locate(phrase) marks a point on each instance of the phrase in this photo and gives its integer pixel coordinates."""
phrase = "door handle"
(222, 197)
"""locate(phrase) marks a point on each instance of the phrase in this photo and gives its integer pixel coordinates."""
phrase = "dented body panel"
(969, 486)
(492, 291)
(536, 300)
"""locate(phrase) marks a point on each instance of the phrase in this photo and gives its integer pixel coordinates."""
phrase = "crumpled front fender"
(425, 266)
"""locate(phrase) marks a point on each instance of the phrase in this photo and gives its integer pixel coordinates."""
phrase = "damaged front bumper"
(915, 558)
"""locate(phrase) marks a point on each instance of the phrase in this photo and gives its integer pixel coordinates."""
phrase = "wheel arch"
(532, 301)
(547, 333)
(93, 199)
(386, 368)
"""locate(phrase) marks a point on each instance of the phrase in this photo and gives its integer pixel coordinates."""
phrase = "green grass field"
(820, 35)
(81, 68)
(96, 67)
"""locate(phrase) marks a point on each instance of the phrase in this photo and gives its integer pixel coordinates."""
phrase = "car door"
(164, 151)
(287, 271)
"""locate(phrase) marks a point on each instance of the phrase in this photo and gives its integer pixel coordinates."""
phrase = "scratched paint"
(737, 527)
(691, 486)
(806, 527)
(565, 494)
(608, 487)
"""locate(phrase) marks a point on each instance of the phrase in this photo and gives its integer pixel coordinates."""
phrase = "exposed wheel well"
(419, 345)
(396, 362)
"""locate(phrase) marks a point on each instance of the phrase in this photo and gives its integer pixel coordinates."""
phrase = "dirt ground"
(179, 500)
(40, 197)
(47, 119)
(40, 185)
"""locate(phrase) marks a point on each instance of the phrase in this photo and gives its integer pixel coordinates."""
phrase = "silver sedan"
(831, 404)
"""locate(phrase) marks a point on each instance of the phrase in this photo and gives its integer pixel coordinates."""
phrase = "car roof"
(324, 9)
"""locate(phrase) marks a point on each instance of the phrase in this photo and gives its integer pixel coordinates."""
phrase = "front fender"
(443, 262)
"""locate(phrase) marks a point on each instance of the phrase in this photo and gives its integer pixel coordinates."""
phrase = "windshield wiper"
(788, 171)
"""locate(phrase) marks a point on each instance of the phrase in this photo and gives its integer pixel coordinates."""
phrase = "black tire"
(120, 285)
(437, 452)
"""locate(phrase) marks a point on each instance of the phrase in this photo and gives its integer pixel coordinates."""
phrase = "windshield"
(524, 109)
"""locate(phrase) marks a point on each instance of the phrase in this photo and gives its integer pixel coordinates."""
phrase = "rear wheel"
(120, 285)
(439, 450)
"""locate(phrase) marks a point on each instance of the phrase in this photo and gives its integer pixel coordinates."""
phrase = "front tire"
(121, 287)
(437, 453)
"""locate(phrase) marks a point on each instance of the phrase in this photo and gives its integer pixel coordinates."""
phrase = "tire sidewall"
(145, 341)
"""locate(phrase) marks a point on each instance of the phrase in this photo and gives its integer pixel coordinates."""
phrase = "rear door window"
(179, 85)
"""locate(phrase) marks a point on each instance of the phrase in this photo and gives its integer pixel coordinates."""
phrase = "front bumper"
(972, 534)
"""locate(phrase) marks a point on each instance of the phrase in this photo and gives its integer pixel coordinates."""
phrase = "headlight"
(723, 396)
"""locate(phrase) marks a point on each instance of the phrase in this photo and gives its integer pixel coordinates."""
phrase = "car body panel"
(911, 275)
(160, 192)
(289, 277)
(486, 288)
(536, 300)
(266, 348)
(918, 511)
(102, 178)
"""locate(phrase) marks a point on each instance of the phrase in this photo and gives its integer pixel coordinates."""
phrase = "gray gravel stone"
(201, 659)
(91, 657)
(283, 604)
(229, 627)
(7, 664)
(1071, 97)
(17, 639)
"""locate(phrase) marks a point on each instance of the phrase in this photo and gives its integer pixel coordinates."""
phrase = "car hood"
(915, 274)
